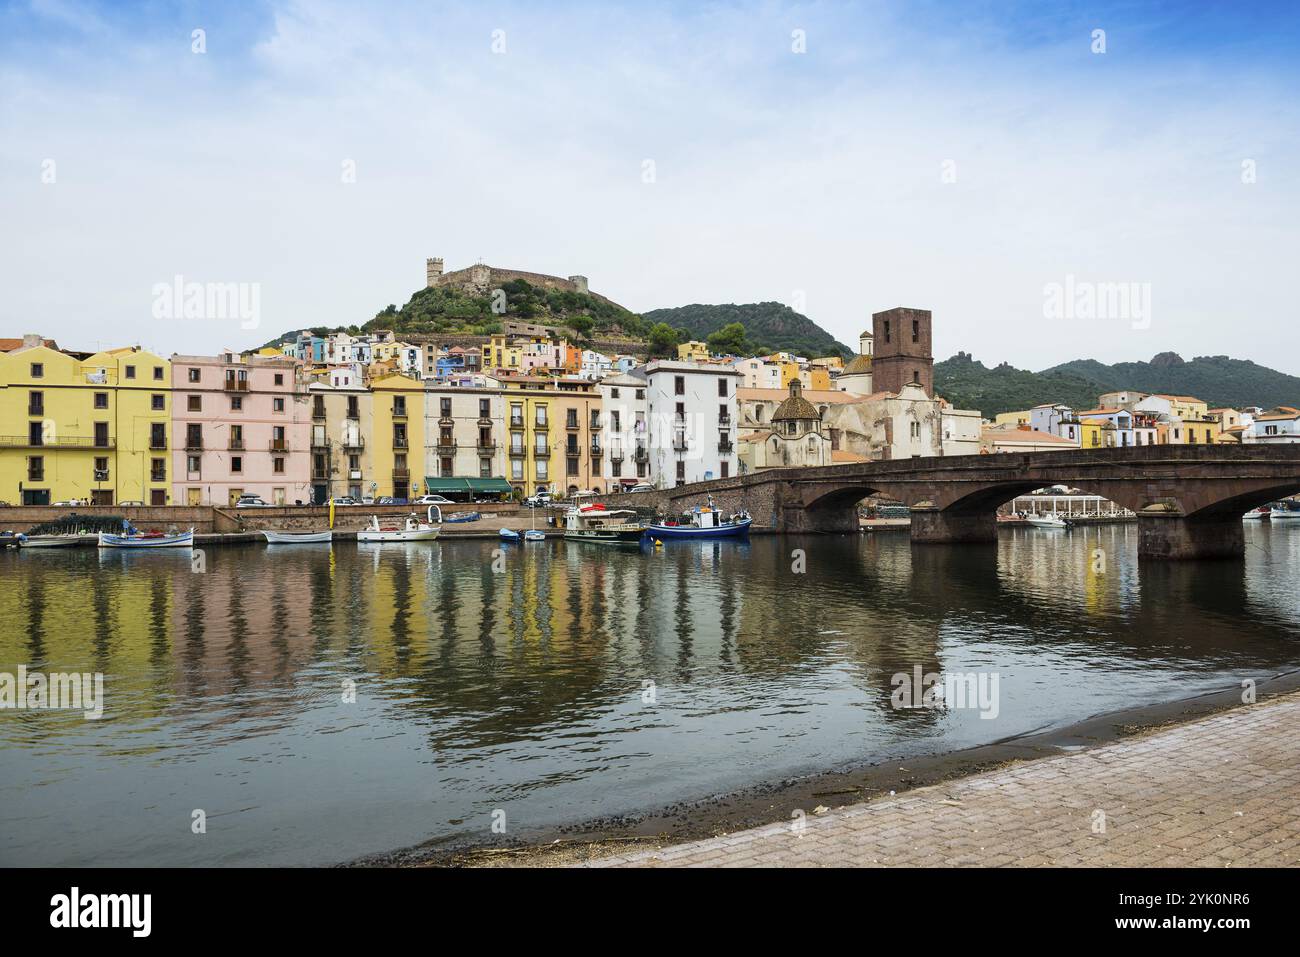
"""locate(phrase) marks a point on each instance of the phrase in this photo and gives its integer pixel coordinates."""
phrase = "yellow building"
(499, 354)
(553, 432)
(1012, 418)
(693, 351)
(814, 379)
(398, 431)
(85, 428)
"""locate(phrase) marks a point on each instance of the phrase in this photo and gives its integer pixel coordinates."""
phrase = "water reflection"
(518, 677)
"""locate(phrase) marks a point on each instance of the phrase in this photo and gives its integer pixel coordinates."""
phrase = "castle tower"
(432, 271)
(579, 283)
(903, 354)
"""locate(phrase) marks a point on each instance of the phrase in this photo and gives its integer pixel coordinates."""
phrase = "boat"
(1288, 510)
(48, 541)
(509, 535)
(703, 522)
(534, 535)
(409, 530)
(462, 517)
(1258, 514)
(298, 538)
(1046, 521)
(593, 522)
(134, 538)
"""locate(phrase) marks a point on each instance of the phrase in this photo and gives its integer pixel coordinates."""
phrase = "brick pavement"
(1216, 792)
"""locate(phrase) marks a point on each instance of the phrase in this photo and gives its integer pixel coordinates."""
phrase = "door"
(193, 496)
(158, 496)
(234, 496)
(277, 496)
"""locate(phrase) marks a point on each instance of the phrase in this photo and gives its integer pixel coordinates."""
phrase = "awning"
(453, 485)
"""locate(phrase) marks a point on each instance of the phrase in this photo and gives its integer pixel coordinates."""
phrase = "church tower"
(902, 343)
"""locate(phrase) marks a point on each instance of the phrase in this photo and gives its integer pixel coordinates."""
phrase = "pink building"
(241, 425)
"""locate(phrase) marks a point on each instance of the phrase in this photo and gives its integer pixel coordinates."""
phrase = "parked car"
(432, 500)
(252, 501)
(540, 500)
(642, 487)
(132, 504)
(343, 500)
(74, 501)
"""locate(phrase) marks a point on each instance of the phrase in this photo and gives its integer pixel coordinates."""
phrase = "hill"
(1219, 380)
(769, 327)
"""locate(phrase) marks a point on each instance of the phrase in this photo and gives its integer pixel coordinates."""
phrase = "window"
(157, 373)
(277, 404)
(541, 415)
(193, 375)
(279, 378)
(101, 400)
(236, 403)
(444, 405)
(571, 466)
(485, 468)
(613, 393)
(679, 385)
(158, 402)
(681, 473)
(886, 330)
(157, 496)
(484, 409)
(38, 370)
(278, 442)
(130, 372)
(726, 469)
(35, 433)
(571, 418)
(916, 331)
(158, 435)
(399, 405)
(237, 463)
(542, 473)
(517, 469)
(36, 468)
(640, 393)
(447, 470)
(516, 414)
(192, 463)
(157, 470)
(540, 444)
(101, 468)
(35, 403)
(236, 436)
(277, 464)
(399, 462)
(722, 388)
(101, 435)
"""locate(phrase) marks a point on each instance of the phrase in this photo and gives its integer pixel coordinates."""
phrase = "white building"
(1275, 427)
(626, 431)
(691, 413)
(595, 365)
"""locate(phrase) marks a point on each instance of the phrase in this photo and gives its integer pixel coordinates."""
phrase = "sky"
(1001, 164)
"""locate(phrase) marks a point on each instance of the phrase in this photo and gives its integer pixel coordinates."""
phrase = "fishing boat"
(462, 517)
(1258, 514)
(593, 522)
(68, 531)
(132, 537)
(66, 540)
(703, 521)
(298, 538)
(509, 535)
(1046, 521)
(409, 530)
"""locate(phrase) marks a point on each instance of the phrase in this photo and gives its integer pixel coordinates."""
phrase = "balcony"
(616, 456)
(35, 475)
(353, 443)
(400, 442)
(641, 454)
(595, 425)
(488, 445)
(541, 426)
(517, 451)
(55, 442)
(680, 444)
(572, 450)
(156, 444)
(236, 385)
(193, 443)
(446, 420)
(726, 447)
(318, 412)
(485, 421)
(724, 421)
(278, 445)
(157, 476)
(572, 425)
(541, 453)
(99, 475)
(597, 451)
(401, 476)
(447, 448)
(399, 411)
(35, 410)
(235, 445)
(516, 423)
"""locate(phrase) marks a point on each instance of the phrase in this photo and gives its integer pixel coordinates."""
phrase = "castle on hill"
(480, 279)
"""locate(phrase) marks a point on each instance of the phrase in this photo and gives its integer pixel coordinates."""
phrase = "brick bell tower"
(902, 350)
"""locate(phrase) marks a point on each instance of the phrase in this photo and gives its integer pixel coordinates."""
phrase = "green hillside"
(1220, 381)
(769, 327)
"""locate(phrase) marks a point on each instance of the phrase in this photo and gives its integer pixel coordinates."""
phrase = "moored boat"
(509, 535)
(703, 521)
(462, 517)
(1288, 510)
(47, 541)
(297, 538)
(1258, 514)
(1046, 521)
(134, 538)
(593, 522)
(534, 535)
(409, 530)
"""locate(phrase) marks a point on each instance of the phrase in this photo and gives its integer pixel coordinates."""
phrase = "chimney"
(31, 340)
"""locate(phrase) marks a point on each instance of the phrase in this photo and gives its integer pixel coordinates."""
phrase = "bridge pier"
(934, 526)
(1174, 538)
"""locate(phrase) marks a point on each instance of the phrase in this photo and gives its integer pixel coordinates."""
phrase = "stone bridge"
(1189, 498)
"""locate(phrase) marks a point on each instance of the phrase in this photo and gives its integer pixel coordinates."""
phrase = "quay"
(1221, 791)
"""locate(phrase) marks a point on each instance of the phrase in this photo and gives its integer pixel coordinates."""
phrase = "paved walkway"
(1217, 792)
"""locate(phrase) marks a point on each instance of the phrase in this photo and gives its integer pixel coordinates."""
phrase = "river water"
(320, 704)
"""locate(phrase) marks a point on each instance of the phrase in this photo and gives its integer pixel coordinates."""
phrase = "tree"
(663, 340)
(729, 340)
(582, 326)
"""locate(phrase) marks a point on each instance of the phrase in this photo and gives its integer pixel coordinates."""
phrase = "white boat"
(137, 539)
(534, 535)
(47, 541)
(409, 530)
(594, 522)
(1045, 521)
(1258, 514)
(298, 538)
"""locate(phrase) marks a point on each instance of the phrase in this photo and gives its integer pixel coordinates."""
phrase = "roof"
(436, 485)
(779, 395)
(858, 366)
(1177, 398)
(795, 407)
(9, 345)
(1024, 435)
(838, 455)
(1101, 411)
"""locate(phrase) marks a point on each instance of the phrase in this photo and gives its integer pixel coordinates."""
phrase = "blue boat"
(509, 535)
(462, 517)
(132, 537)
(703, 522)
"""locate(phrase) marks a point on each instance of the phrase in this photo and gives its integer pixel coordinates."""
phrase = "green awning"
(445, 486)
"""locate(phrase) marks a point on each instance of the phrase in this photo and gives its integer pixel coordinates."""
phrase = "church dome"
(861, 365)
(796, 406)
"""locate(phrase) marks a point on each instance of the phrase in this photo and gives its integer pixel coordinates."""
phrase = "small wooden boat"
(409, 530)
(462, 517)
(298, 538)
(703, 522)
(48, 541)
(137, 539)
(509, 535)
